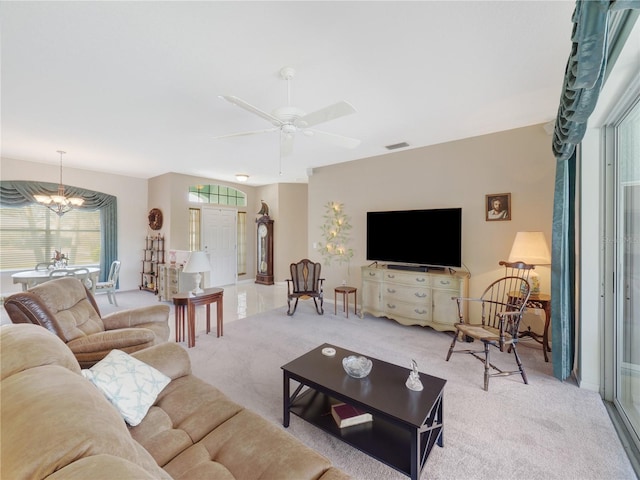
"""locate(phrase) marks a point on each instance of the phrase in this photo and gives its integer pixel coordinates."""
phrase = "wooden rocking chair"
(305, 282)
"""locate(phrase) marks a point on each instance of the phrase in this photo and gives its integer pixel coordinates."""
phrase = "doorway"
(219, 240)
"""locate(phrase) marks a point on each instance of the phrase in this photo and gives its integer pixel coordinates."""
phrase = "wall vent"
(397, 145)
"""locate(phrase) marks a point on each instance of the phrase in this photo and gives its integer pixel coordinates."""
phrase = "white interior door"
(219, 232)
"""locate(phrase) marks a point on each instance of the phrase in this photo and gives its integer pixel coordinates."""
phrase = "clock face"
(262, 248)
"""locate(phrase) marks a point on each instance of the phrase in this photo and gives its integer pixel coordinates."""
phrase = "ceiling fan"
(290, 120)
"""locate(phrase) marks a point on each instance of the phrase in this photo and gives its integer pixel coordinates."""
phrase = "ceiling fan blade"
(250, 108)
(241, 134)
(286, 144)
(338, 140)
(331, 112)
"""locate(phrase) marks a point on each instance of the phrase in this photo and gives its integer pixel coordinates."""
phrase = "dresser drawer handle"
(420, 312)
(445, 282)
(421, 280)
(390, 276)
(390, 306)
(420, 295)
(391, 290)
(372, 274)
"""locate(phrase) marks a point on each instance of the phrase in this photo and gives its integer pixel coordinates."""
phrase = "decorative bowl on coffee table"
(357, 366)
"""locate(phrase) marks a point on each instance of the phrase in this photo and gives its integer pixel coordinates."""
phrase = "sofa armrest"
(170, 358)
(136, 317)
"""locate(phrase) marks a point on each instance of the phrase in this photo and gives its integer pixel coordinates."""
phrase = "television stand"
(413, 297)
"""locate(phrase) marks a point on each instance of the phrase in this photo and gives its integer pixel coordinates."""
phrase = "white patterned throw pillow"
(130, 385)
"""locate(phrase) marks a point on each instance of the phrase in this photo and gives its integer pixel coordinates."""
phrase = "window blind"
(32, 233)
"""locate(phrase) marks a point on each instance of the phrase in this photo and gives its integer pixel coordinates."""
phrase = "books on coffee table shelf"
(347, 415)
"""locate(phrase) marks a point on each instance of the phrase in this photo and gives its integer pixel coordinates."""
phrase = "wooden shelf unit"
(152, 258)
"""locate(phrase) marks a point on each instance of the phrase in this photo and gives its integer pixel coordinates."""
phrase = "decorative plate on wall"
(155, 219)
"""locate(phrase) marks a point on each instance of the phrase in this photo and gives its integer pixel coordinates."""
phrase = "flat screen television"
(429, 238)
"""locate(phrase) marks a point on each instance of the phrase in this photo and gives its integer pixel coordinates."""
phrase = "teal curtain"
(563, 269)
(584, 76)
(16, 193)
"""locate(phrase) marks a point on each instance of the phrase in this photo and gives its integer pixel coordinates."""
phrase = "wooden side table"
(540, 301)
(184, 301)
(345, 291)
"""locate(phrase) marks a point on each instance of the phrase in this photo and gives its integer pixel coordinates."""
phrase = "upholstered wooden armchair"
(305, 282)
(65, 307)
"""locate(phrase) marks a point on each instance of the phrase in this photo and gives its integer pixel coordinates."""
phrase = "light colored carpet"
(544, 430)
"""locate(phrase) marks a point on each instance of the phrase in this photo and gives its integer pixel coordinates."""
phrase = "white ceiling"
(132, 87)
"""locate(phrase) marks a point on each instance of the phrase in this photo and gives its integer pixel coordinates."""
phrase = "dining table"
(31, 278)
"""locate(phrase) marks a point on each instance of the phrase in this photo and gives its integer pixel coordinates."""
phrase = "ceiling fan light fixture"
(289, 120)
(242, 177)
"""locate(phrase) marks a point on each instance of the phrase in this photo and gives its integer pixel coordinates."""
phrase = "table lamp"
(198, 262)
(531, 248)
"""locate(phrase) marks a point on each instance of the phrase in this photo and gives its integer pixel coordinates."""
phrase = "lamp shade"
(198, 262)
(531, 248)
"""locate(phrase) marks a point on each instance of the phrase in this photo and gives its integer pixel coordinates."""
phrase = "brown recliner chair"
(66, 308)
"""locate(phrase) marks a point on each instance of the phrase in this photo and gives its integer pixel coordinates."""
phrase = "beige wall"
(455, 174)
(290, 228)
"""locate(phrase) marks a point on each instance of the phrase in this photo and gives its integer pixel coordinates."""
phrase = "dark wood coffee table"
(406, 424)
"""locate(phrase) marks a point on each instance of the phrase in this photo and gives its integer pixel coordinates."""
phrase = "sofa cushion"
(129, 384)
(31, 346)
(196, 431)
(52, 417)
(101, 467)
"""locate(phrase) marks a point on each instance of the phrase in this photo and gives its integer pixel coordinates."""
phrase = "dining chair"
(43, 266)
(83, 272)
(109, 287)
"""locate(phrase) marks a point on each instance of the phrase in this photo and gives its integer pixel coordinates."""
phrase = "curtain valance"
(585, 71)
(17, 193)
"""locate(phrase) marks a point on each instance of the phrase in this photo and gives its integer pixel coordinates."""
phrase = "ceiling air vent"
(397, 145)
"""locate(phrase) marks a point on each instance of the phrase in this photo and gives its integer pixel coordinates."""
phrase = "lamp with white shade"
(198, 262)
(531, 248)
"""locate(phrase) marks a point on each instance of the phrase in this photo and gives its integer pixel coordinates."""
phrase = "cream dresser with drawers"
(413, 298)
(170, 282)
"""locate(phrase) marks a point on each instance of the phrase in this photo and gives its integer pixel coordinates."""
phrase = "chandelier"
(60, 203)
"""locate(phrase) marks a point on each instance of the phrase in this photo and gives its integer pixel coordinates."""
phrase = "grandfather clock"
(264, 271)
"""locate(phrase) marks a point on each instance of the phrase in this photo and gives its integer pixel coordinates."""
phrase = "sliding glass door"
(627, 268)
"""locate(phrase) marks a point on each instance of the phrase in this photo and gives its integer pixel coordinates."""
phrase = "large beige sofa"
(56, 424)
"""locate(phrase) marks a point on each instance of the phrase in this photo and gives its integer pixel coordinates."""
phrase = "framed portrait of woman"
(498, 207)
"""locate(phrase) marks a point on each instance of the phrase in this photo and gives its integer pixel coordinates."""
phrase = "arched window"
(217, 194)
